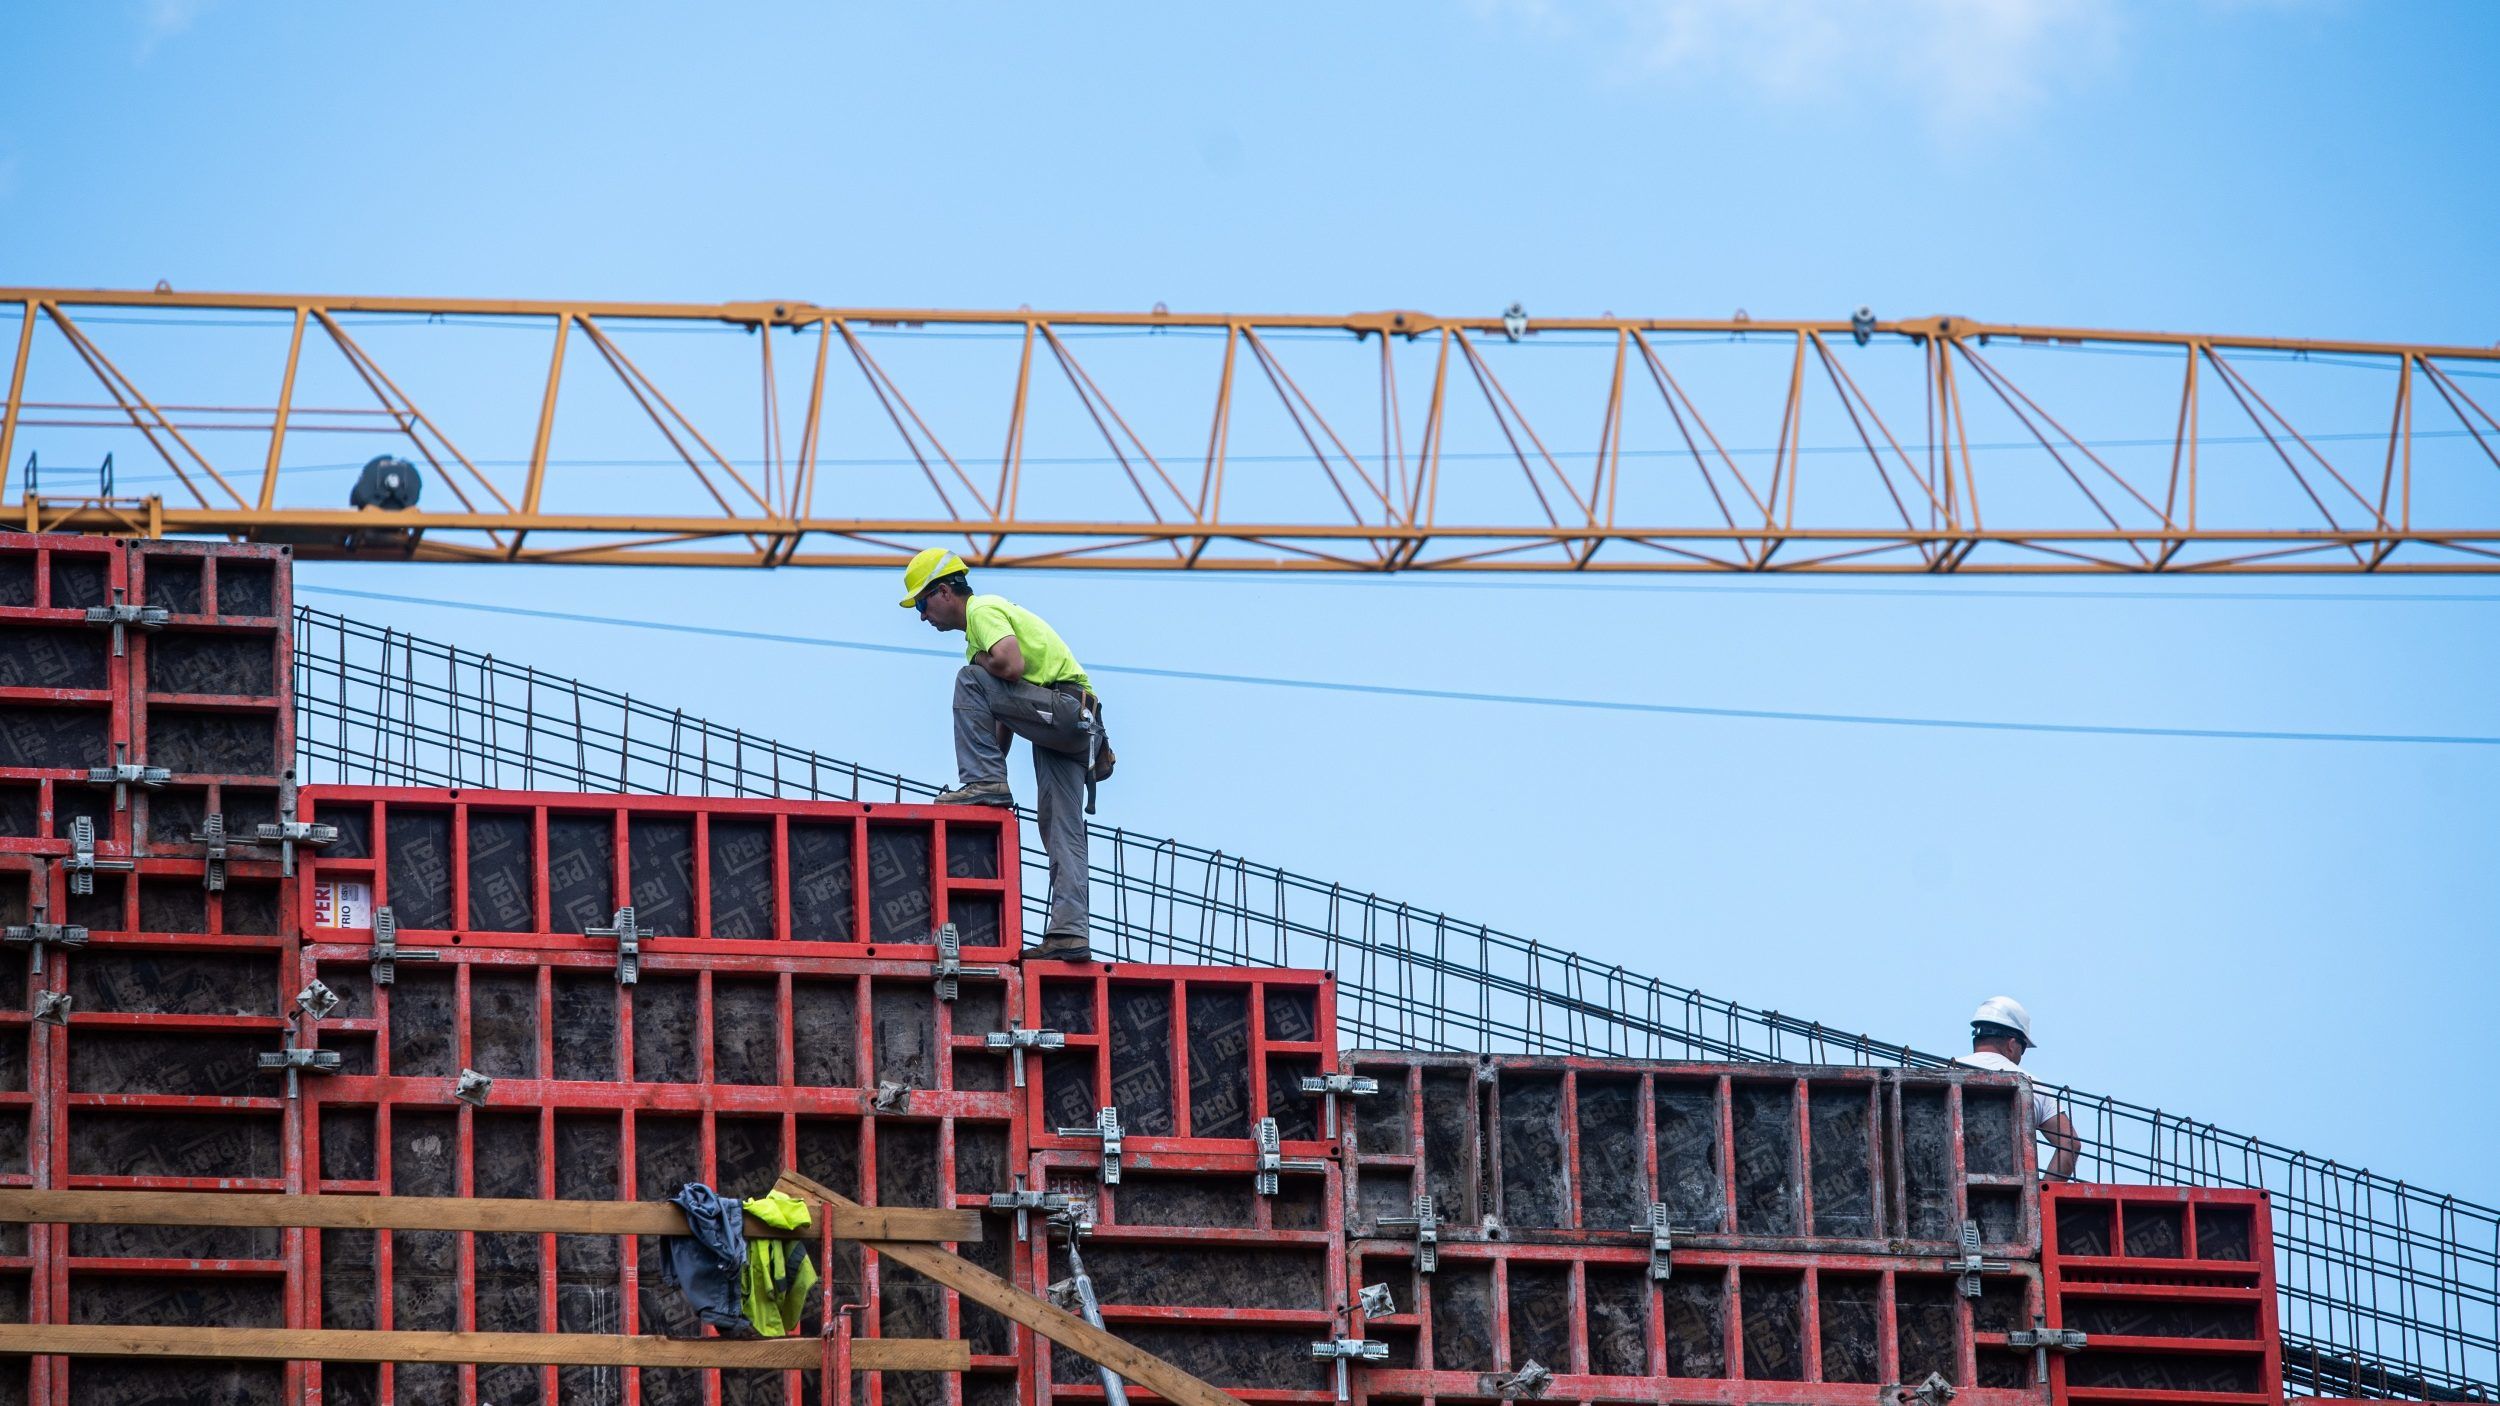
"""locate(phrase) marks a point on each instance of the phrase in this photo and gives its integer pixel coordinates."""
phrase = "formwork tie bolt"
(472, 1088)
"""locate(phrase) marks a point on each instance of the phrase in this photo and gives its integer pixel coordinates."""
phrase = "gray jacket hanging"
(705, 1265)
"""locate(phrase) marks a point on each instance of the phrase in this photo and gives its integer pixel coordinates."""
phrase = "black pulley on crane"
(386, 482)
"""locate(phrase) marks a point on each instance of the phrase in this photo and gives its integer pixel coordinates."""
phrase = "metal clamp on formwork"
(1970, 1266)
(1530, 1381)
(628, 935)
(1935, 1391)
(1107, 1127)
(52, 1007)
(1272, 1159)
(1426, 1223)
(1015, 1039)
(950, 969)
(36, 935)
(387, 953)
(1331, 1087)
(1024, 1203)
(81, 863)
(1344, 1350)
(1377, 1301)
(121, 776)
(212, 835)
(289, 831)
(1661, 1242)
(121, 617)
(312, 1003)
(2047, 1339)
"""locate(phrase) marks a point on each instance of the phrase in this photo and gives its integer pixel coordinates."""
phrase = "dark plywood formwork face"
(1738, 1156)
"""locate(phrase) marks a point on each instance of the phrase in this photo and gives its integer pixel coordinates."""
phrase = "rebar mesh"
(2388, 1290)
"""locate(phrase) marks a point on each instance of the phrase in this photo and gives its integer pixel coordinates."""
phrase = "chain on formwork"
(2388, 1289)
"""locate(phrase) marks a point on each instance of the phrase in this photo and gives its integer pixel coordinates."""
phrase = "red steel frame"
(870, 969)
(1079, 1174)
(326, 802)
(278, 706)
(2186, 1278)
(1883, 1088)
(58, 1109)
(1372, 1261)
(113, 834)
(1175, 1150)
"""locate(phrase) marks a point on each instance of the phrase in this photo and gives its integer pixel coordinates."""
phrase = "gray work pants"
(1052, 719)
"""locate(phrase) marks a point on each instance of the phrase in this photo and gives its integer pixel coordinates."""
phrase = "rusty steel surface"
(1406, 442)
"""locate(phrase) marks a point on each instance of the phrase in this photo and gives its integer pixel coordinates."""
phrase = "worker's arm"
(2064, 1147)
(1003, 660)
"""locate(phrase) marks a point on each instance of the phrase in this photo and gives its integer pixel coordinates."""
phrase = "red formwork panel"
(1722, 1326)
(1751, 1157)
(716, 1064)
(211, 688)
(64, 694)
(1193, 1058)
(2173, 1289)
(539, 870)
(150, 1078)
(1201, 1260)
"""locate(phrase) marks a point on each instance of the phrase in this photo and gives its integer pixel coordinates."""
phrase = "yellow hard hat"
(935, 564)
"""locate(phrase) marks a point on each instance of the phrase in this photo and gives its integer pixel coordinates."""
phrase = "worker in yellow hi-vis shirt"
(1023, 681)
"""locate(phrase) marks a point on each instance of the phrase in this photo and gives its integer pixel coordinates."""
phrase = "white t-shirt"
(2043, 1107)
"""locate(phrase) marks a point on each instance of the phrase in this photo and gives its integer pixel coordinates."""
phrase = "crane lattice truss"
(1386, 441)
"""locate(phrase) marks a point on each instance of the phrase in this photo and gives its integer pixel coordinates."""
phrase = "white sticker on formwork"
(342, 903)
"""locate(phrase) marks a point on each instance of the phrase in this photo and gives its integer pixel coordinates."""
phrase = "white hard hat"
(2008, 1012)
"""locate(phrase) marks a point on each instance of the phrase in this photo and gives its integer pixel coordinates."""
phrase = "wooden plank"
(524, 1349)
(1034, 1312)
(223, 1208)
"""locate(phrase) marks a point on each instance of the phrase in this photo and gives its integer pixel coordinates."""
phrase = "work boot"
(1060, 947)
(978, 793)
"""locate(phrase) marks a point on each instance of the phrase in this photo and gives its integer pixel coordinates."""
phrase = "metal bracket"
(1970, 1266)
(892, 1097)
(472, 1088)
(2049, 1339)
(1015, 1039)
(1272, 1159)
(387, 953)
(628, 935)
(1661, 1242)
(1330, 1087)
(121, 776)
(37, 935)
(212, 833)
(297, 1060)
(1935, 1391)
(52, 1007)
(1107, 1127)
(1344, 1350)
(1378, 1302)
(1426, 1223)
(1531, 1380)
(81, 863)
(289, 831)
(950, 969)
(122, 617)
(1024, 1203)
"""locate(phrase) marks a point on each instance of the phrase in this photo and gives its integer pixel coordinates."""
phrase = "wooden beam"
(522, 1349)
(1039, 1314)
(232, 1208)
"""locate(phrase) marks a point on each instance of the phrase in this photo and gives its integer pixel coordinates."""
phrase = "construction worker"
(1022, 681)
(2000, 1030)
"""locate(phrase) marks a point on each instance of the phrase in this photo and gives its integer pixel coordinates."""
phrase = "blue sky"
(2275, 936)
